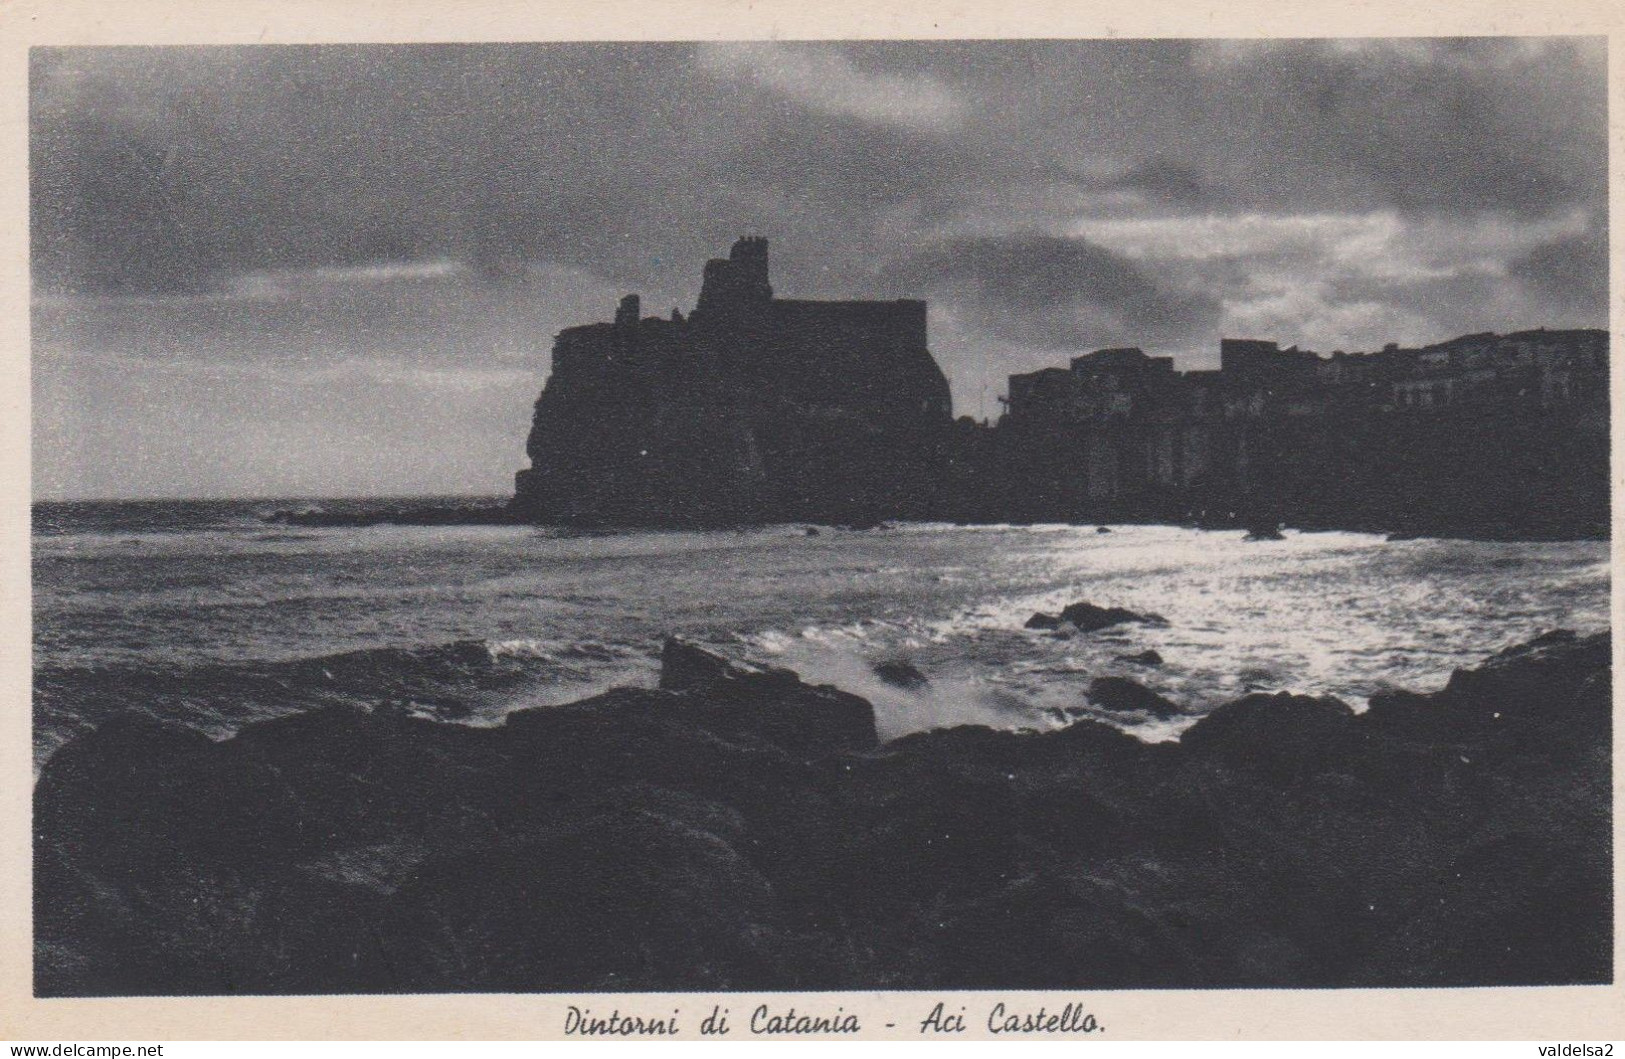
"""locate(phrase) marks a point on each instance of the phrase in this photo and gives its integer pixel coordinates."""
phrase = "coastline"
(736, 828)
(496, 510)
(485, 515)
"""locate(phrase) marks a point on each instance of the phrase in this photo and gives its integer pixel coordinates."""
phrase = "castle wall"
(868, 356)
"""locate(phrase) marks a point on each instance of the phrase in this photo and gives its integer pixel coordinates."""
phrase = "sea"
(207, 614)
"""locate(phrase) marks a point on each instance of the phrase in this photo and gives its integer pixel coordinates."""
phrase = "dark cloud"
(1063, 293)
(1452, 126)
(1166, 180)
(1570, 274)
(1429, 309)
(166, 169)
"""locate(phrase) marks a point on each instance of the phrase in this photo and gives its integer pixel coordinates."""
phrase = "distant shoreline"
(441, 515)
(494, 510)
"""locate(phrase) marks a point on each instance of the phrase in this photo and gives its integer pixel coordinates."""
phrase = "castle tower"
(737, 284)
(749, 260)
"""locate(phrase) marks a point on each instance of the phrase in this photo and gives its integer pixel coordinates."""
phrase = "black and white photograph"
(820, 516)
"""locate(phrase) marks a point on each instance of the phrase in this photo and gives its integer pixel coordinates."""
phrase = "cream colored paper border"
(1581, 1013)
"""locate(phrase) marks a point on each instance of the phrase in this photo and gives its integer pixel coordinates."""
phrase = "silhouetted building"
(752, 408)
(1493, 434)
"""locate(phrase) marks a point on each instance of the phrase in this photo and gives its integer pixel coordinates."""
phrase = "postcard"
(745, 522)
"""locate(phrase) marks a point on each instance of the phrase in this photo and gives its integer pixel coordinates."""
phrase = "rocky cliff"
(752, 409)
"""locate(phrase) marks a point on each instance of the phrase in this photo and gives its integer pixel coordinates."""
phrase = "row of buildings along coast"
(760, 408)
(1484, 432)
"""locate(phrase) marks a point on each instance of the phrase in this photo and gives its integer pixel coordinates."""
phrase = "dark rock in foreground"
(733, 697)
(1120, 693)
(736, 829)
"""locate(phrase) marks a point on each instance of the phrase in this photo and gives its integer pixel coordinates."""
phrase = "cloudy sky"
(335, 270)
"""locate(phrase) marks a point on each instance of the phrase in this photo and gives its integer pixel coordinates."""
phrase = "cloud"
(1425, 126)
(1064, 293)
(1376, 241)
(824, 80)
(294, 282)
(1500, 52)
(1166, 180)
(173, 170)
(1357, 280)
(1569, 273)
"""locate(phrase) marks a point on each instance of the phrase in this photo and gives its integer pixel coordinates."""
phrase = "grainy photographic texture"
(820, 516)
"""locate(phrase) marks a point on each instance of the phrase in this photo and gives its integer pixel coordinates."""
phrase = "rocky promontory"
(738, 829)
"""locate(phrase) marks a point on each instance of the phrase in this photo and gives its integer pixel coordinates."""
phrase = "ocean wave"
(959, 673)
(469, 681)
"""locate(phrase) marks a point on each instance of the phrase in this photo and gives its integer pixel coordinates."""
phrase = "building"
(1481, 427)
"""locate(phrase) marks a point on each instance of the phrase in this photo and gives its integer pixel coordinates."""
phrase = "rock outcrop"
(1120, 693)
(901, 674)
(753, 408)
(1086, 617)
(737, 829)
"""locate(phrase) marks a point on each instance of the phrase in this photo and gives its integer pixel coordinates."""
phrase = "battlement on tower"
(737, 283)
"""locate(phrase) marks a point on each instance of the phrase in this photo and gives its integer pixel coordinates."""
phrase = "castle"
(751, 408)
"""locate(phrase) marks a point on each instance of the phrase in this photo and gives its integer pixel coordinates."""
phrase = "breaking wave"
(464, 681)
